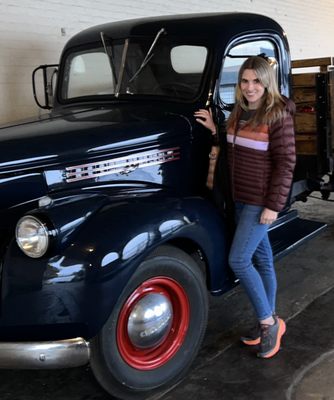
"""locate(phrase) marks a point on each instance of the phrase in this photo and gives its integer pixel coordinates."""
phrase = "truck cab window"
(233, 61)
(89, 74)
(188, 59)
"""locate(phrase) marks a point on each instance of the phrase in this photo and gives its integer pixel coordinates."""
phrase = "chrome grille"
(121, 165)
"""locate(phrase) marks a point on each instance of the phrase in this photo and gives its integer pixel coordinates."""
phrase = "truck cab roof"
(210, 26)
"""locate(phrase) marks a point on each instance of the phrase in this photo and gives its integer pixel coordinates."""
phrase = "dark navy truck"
(110, 241)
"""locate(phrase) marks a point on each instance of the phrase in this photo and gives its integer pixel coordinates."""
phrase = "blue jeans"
(251, 259)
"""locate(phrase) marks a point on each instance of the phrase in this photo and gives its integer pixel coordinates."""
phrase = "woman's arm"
(283, 158)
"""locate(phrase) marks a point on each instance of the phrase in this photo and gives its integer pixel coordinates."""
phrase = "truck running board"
(290, 231)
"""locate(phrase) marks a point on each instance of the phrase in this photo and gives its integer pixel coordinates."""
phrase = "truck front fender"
(113, 243)
(123, 233)
(80, 284)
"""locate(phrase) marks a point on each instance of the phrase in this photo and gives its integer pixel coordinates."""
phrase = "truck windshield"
(173, 70)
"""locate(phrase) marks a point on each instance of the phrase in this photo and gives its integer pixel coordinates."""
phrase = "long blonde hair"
(272, 104)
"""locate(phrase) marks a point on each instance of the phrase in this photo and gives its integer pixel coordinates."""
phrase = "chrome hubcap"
(150, 321)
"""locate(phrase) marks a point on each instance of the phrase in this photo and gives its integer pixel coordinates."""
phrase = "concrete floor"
(224, 369)
(304, 369)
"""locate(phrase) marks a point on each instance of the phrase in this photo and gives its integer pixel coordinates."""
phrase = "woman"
(261, 157)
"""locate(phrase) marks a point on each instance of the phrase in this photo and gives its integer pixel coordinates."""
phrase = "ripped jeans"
(251, 259)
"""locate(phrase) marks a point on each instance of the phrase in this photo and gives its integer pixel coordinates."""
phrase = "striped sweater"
(262, 161)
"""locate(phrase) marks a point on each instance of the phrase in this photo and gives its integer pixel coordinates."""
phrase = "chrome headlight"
(32, 236)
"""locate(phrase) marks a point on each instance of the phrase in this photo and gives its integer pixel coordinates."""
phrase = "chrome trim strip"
(44, 355)
(121, 165)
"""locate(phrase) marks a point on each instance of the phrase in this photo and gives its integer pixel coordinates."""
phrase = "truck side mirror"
(44, 80)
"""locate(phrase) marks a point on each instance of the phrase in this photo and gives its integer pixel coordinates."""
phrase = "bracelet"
(212, 156)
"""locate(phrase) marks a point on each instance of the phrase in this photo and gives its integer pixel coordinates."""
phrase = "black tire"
(114, 359)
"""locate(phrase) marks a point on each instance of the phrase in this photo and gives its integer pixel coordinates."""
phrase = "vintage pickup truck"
(110, 240)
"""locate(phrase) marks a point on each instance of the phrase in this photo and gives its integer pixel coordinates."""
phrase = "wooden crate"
(322, 63)
(304, 95)
(305, 122)
(306, 144)
(307, 80)
(310, 93)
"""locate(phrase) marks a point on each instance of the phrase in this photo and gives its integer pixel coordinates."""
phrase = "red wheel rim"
(155, 356)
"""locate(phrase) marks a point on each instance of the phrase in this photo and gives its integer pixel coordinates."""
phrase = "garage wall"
(33, 32)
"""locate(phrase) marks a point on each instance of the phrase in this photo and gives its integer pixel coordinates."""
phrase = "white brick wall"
(30, 33)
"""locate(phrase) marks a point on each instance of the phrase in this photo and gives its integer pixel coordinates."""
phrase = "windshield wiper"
(149, 54)
(110, 57)
(121, 70)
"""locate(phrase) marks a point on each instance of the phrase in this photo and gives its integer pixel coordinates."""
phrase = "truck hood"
(85, 135)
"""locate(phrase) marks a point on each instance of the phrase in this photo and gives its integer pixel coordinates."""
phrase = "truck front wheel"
(156, 328)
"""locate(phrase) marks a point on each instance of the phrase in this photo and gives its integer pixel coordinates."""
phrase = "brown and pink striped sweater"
(262, 161)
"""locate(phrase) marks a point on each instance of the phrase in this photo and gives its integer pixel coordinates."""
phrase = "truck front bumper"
(44, 355)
